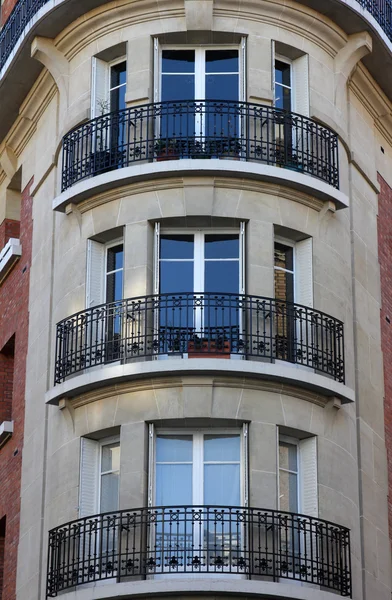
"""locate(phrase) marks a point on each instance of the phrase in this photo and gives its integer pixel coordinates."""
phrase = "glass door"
(200, 91)
(197, 273)
(200, 475)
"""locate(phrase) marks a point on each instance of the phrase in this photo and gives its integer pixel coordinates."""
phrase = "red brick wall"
(14, 295)
(8, 229)
(385, 259)
(6, 9)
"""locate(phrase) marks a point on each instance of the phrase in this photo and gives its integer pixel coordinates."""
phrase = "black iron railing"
(21, 15)
(200, 325)
(199, 540)
(200, 129)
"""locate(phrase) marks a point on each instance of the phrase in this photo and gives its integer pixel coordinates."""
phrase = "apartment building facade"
(203, 187)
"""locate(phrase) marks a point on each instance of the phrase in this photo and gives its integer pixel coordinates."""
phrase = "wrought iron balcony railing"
(200, 129)
(199, 540)
(200, 325)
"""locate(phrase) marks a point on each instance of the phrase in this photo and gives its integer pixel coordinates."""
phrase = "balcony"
(189, 325)
(199, 541)
(201, 129)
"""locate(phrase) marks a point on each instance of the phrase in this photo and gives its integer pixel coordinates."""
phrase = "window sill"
(6, 431)
(11, 252)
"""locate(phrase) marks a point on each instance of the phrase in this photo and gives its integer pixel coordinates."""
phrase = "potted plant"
(225, 148)
(167, 149)
(209, 348)
(106, 156)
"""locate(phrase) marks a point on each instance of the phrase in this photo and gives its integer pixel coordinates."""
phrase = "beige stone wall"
(352, 477)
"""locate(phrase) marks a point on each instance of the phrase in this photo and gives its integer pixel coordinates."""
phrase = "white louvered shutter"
(242, 286)
(273, 69)
(303, 272)
(151, 463)
(308, 477)
(89, 462)
(245, 462)
(95, 273)
(243, 70)
(156, 257)
(100, 100)
(301, 85)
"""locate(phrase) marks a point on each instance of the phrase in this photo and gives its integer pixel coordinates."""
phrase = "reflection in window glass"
(283, 85)
(284, 272)
(110, 474)
(288, 477)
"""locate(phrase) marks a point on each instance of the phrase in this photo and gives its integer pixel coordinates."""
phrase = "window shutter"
(303, 273)
(273, 69)
(156, 257)
(242, 258)
(308, 477)
(301, 85)
(151, 452)
(88, 502)
(156, 71)
(245, 435)
(243, 70)
(95, 274)
(100, 101)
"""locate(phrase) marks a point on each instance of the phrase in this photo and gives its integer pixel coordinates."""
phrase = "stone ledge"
(11, 252)
(322, 387)
(178, 586)
(198, 167)
(6, 431)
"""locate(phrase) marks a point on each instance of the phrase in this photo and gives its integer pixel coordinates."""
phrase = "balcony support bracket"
(44, 50)
(357, 46)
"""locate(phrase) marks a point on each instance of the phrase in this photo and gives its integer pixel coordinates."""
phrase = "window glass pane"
(222, 484)
(223, 447)
(282, 73)
(222, 61)
(176, 277)
(288, 492)
(117, 102)
(282, 97)
(221, 246)
(109, 492)
(173, 485)
(288, 456)
(174, 448)
(284, 256)
(110, 457)
(176, 88)
(115, 258)
(177, 246)
(114, 286)
(222, 277)
(118, 74)
(284, 285)
(178, 61)
(223, 87)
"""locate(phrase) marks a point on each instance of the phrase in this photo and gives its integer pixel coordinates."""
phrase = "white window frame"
(101, 443)
(118, 242)
(197, 473)
(287, 61)
(297, 268)
(106, 93)
(200, 73)
(199, 260)
(112, 64)
(101, 249)
(285, 242)
(95, 448)
(294, 442)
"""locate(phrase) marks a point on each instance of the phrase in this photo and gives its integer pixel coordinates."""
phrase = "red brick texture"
(14, 315)
(8, 229)
(385, 259)
(6, 10)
